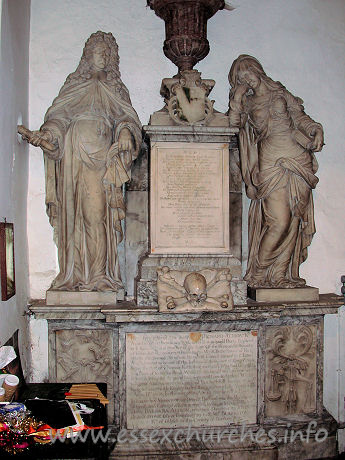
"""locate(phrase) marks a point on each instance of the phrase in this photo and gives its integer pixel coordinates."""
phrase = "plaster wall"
(14, 71)
(300, 43)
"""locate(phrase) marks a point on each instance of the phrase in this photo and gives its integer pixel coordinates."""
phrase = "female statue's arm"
(237, 115)
(304, 122)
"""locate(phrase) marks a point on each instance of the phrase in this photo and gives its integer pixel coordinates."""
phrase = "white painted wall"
(299, 42)
(14, 71)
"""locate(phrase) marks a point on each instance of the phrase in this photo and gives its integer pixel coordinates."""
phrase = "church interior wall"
(14, 72)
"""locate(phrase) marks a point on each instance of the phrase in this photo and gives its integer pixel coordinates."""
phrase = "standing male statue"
(90, 136)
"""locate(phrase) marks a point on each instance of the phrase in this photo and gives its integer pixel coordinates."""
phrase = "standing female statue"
(95, 135)
(276, 143)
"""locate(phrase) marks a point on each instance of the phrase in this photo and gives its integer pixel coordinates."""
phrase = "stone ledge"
(187, 129)
(43, 311)
(191, 133)
(126, 311)
(327, 304)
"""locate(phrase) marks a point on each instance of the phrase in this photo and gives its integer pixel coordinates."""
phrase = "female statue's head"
(248, 70)
(245, 66)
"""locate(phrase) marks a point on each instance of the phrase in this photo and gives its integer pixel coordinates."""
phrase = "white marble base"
(302, 294)
(200, 378)
(54, 297)
(146, 286)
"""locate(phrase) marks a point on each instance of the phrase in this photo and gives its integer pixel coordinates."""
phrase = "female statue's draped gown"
(279, 175)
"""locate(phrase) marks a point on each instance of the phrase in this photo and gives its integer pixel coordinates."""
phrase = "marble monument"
(187, 353)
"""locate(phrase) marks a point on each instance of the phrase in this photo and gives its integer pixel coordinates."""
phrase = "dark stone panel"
(235, 224)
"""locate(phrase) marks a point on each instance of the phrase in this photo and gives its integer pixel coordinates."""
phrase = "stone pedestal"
(302, 294)
(55, 297)
(201, 213)
(147, 284)
(233, 384)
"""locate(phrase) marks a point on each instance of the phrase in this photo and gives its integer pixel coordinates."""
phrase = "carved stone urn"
(186, 28)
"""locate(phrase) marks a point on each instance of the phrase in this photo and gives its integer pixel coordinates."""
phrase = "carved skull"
(195, 286)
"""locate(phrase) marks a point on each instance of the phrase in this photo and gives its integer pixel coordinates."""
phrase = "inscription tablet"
(189, 198)
(181, 379)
